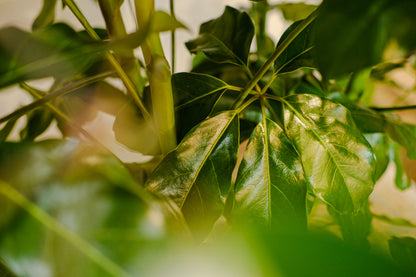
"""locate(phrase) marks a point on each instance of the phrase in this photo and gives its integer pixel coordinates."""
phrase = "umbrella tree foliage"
(252, 138)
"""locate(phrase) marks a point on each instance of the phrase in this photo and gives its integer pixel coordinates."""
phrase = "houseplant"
(246, 147)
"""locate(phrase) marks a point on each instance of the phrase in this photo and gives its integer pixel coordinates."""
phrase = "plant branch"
(159, 79)
(392, 109)
(279, 50)
(172, 35)
(112, 60)
(71, 87)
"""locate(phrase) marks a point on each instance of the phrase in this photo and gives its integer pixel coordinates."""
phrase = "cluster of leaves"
(264, 137)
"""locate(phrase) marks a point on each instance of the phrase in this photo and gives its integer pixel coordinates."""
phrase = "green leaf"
(37, 122)
(337, 160)
(72, 224)
(402, 179)
(403, 133)
(197, 174)
(46, 15)
(296, 11)
(226, 39)
(381, 146)
(56, 51)
(162, 22)
(270, 187)
(298, 54)
(194, 96)
(367, 28)
(403, 250)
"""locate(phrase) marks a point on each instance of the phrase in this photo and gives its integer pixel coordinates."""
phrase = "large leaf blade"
(194, 95)
(197, 174)
(337, 159)
(270, 187)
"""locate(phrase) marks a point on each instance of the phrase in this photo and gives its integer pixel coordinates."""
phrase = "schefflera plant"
(299, 144)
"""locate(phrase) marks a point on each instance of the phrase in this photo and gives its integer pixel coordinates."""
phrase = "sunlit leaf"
(270, 187)
(296, 11)
(197, 174)
(337, 160)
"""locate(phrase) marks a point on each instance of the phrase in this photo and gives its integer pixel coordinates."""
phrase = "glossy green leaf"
(98, 220)
(298, 54)
(197, 174)
(403, 250)
(46, 15)
(56, 51)
(270, 187)
(337, 160)
(367, 28)
(226, 39)
(194, 96)
(296, 11)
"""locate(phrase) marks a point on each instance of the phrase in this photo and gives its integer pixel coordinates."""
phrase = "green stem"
(260, 9)
(172, 35)
(71, 87)
(392, 109)
(117, 30)
(112, 60)
(159, 79)
(279, 50)
(52, 224)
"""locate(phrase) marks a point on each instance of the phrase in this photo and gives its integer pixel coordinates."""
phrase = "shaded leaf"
(298, 54)
(381, 147)
(401, 179)
(403, 133)
(270, 188)
(403, 250)
(337, 160)
(37, 123)
(367, 28)
(197, 174)
(194, 96)
(225, 39)
(56, 51)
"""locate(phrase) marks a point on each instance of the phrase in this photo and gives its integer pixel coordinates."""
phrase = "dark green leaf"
(225, 39)
(46, 15)
(298, 54)
(337, 159)
(270, 187)
(403, 250)
(37, 122)
(197, 174)
(56, 51)
(5, 271)
(367, 28)
(195, 96)
(296, 11)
